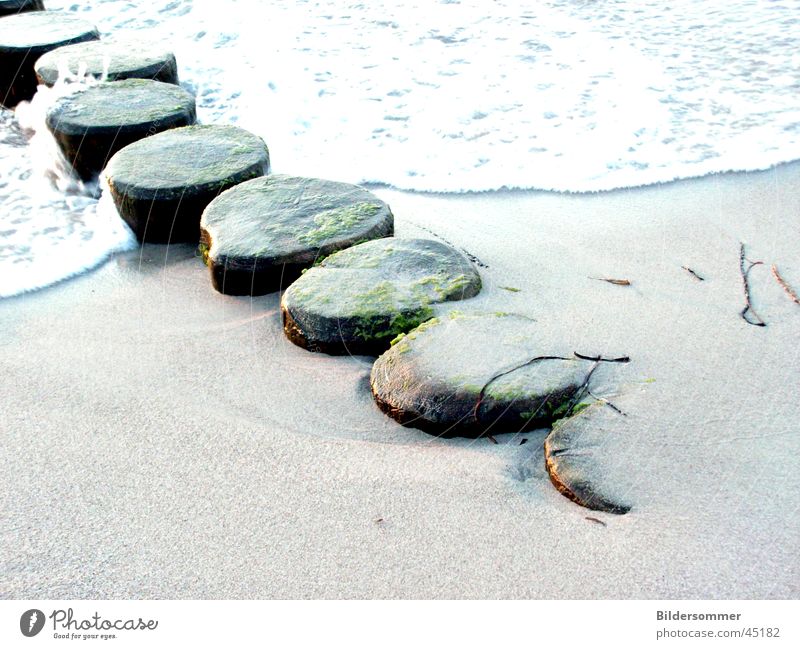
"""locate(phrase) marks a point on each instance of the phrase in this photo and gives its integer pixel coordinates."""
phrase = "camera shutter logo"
(31, 622)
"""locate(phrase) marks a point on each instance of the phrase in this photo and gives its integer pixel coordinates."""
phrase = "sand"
(161, 440)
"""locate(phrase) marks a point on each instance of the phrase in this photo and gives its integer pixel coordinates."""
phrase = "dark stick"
(595, 359)
(469, 255)
(600, 359)
(616, 282)
(693, 274)
(500, 375)
(756, 320)
(608, 403)
(584, 389)
(595, 520)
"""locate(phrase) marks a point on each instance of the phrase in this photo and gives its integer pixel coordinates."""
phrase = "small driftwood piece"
(748, 313)
(615, 282)
(785, 286)
(595, 520)
(694, 274)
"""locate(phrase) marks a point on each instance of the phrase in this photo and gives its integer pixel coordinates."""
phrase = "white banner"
(384, 624)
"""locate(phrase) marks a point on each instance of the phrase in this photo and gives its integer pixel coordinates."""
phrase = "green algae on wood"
(111, 60)
(264, 233)
(330, 223)
(24, 37)
(358, 300)
(93, 123)
(467, 374)
(162, 184)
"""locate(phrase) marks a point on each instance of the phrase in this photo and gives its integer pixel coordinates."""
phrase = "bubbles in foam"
(462, 96)
(44, 152)
(52, 226)
(459, 96)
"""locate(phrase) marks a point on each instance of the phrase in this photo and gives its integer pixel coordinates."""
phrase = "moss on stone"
(423, 327)
(567, 409)
(182, 159)
(381, 289)
(580, 407)
(202, 248)
(404, 322)
(337, 221)
(396, 339)
(469, 373)
(371, 318)
(441, 287)
(382, 297)
(562, 410)
(471, 388)
(119, 104)
(400, 344)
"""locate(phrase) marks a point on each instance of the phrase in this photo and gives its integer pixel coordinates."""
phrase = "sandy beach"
(161, 440)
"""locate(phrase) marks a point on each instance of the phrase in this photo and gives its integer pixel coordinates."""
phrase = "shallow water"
(570, 95)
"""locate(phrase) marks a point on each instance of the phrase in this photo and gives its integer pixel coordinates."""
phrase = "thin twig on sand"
(692, 272)
(748, 314)
(608, 403)
(601, 359)
(616, 282)
(784, 285)
(474, 259)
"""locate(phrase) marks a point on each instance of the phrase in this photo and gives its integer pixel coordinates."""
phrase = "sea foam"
(457, 96)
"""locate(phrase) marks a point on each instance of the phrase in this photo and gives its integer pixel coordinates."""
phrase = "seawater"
(449, 96)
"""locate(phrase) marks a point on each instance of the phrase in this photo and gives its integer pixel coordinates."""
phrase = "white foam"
(468, 96)
(459, 95)
(51, 226)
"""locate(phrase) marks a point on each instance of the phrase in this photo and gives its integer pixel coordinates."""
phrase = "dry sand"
(160, 440)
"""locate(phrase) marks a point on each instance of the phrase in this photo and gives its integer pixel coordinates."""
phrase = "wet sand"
(161, 440)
